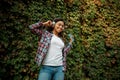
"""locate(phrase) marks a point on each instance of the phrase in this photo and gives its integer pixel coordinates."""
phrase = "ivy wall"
(95, 25)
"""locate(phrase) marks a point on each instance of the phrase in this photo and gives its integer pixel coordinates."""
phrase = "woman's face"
(59, 26)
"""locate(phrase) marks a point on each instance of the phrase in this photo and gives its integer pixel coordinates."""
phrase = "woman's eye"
(59, 24)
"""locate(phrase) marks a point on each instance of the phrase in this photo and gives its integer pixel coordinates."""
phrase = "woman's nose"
(61, 26)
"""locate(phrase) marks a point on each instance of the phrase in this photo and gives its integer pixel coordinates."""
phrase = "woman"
(51, 53)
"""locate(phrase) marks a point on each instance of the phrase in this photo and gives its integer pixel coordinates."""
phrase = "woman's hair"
(58, 19)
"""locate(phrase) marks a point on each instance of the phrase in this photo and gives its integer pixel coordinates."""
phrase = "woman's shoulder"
(47, 33)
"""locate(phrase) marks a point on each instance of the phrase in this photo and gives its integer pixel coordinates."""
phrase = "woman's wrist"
(47, 23)
(43, 24)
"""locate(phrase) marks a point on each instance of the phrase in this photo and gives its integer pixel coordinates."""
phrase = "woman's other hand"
(71, 38)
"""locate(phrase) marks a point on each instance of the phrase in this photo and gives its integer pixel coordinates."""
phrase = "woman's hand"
(71, 38)
(48, 23)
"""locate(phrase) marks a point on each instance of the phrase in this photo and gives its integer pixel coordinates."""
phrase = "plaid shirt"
(44, 43)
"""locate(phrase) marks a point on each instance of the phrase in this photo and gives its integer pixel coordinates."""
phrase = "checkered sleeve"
(67, 48)
(35, 28)
(65, 51)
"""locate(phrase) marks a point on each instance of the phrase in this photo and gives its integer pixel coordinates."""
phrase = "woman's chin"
(59, 31)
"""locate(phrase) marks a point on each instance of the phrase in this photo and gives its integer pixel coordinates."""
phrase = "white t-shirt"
(54, 55)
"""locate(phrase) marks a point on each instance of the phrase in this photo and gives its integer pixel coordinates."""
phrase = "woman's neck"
(55, 33)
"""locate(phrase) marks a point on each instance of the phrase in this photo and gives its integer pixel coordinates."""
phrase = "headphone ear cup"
(53, 23)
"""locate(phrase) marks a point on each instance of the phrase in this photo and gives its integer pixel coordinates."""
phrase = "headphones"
(53, 23)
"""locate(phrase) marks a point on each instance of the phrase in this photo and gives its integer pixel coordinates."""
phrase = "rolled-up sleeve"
(67, 48)
(35, 28)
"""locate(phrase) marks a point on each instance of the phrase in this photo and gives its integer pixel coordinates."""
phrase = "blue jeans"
(51, 73)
